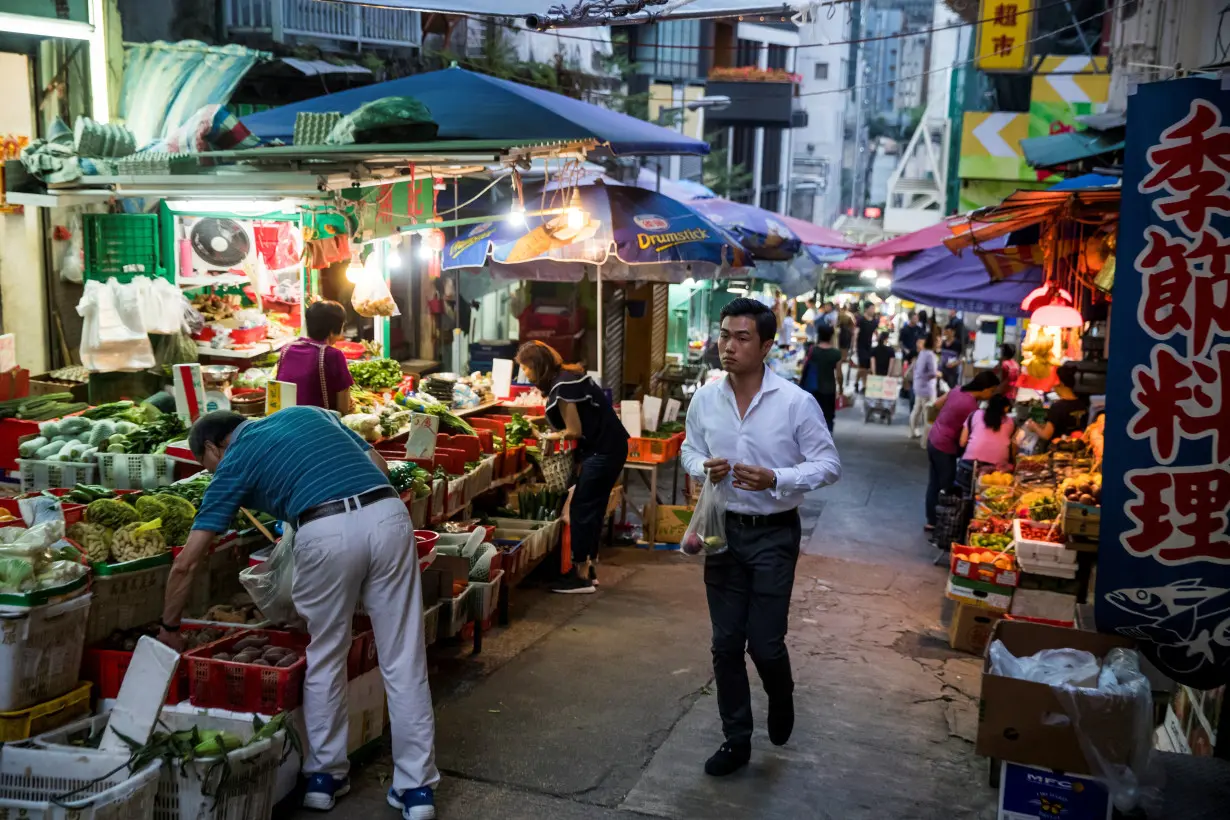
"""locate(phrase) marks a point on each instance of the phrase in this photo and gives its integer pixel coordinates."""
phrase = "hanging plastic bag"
(270, 582)
(113, 334)
(706, 534)
(72, 263)
(372, 298)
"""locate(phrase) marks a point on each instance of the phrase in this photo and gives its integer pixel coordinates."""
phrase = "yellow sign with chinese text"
(280, 395)
(1003, 34)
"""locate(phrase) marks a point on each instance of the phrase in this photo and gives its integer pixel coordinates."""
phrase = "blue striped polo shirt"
(285, 464)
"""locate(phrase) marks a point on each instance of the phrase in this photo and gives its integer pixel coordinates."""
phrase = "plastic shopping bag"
(706, 534)
(372, 298)
(270, 582)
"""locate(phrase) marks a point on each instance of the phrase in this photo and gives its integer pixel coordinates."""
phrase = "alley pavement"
(602, 706)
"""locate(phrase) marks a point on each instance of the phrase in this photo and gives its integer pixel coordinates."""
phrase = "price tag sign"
(630, 415)
(501, 378)
(671, 412)
(279, 395)
(651, 411)
(421, 442)
(189, 391)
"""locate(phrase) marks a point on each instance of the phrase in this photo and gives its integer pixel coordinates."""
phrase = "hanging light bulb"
(574, 214)
(883, 283)
(425, 251)
(869, 274)
(354, 271)
(516, 215)
(392, 257)
(689, 282)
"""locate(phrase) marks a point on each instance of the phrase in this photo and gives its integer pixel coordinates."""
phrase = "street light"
(716, 102)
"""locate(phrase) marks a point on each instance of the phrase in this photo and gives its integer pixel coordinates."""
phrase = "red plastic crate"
(654, 450)
(105, 668)
(244, 687)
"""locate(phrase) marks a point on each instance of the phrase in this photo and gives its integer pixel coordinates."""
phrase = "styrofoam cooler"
(199, 790)
(34, 782)
(40, 653)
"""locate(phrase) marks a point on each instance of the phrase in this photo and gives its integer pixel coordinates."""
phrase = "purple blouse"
(302, 365)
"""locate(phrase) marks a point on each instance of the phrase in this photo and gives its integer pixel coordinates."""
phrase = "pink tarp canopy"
(813, 234)
(880, 256)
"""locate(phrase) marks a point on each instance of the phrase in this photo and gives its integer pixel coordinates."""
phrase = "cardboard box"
(672, 523)
(970, 630)
(979, 594)
(1033, 793)
(451, 568)
(1024, 722)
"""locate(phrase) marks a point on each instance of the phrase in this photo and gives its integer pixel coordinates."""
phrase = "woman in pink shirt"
(944, 440)
(317, 369)
(987, 436)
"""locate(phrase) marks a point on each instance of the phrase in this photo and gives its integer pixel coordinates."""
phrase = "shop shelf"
(41, 652)
(43, 717)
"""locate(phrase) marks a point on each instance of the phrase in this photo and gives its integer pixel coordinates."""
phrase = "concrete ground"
(602, 707)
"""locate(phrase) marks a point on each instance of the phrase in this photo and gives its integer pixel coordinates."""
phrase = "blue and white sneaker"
(415, 804)
(323, 790)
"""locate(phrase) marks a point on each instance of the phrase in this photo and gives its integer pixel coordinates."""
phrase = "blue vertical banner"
(1164, 557)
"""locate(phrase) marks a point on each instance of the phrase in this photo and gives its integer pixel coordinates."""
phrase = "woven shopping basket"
(556, 469)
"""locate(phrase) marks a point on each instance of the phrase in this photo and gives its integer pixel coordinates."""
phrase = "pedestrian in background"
(768, 436)
(1009, 372)
(864, 340)
(944, 441)
(882, 357)
(923, 376)
(821, 373)
(846, 324)
(950, 358)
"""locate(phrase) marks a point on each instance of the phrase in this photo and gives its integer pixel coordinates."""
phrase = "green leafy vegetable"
(376, 374)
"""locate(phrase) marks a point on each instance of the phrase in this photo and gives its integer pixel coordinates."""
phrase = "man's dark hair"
(212, 427)
(985, 380)
(824, 333)
(1007, 352)
(912, 315)
(1066, 373)
(883, 338)
(322, 319)
(766, 322)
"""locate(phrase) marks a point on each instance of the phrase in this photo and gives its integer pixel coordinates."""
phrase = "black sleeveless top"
(602, 433)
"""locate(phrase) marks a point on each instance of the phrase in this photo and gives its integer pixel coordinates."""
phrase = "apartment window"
(822, 71)
(669, 50)
(747, 54)
(778, 57)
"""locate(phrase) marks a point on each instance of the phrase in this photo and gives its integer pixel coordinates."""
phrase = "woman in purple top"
(313, 365)
(944, 442)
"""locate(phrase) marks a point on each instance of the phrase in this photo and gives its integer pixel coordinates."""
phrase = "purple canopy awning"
(939, 278)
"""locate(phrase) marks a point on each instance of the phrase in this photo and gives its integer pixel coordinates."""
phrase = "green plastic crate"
(121, 245)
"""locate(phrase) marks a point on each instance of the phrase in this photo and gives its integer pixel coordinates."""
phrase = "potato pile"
(255, 650)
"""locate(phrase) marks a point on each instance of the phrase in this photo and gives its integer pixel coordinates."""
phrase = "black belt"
(342, 505)
(787, 518)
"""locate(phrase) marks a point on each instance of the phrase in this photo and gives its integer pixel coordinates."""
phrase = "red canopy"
(813, 234)
(880, 256)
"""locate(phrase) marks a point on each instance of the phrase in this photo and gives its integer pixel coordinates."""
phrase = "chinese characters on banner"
(1164, 557)
(1003, 34)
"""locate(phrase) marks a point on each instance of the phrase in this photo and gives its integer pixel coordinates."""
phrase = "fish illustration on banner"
(1164, 555)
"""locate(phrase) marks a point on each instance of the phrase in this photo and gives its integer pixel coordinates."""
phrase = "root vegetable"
(288, 661)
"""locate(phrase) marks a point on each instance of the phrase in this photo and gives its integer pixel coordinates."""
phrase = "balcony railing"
(362, 25)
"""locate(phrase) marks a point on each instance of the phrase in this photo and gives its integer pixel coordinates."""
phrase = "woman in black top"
(1068, 413)
(578, 409)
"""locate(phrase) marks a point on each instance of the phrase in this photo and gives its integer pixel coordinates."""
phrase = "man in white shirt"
(768, 437)
(810, 317)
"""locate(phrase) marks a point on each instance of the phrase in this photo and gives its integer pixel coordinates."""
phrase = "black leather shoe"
(728, 759)
(781, 719)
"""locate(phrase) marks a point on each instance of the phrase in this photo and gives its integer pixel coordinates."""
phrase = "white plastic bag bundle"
(113, 336)
(1053, 667)
(162, 305)
(706, 532)
(72, 262)
(270, 582)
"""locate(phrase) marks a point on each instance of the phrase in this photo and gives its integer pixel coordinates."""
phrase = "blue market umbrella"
(764, 233)
(625, 233)
(474, 106)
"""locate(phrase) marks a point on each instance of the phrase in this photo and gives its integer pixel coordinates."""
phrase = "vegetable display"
(406, 475)
(367, 426)
(518, 430)
(540, 505)
(255, 650)
(448, 419)
(40, 408)
(1033, 532)
(178, 749)
(992, 541)
(376, 374)
(133, 542)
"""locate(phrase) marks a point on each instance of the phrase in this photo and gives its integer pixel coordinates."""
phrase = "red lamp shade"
(1056, 315)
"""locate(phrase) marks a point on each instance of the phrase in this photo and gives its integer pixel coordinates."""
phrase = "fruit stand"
(1030, 546)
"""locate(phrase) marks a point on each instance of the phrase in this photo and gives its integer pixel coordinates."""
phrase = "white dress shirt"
(783, 430)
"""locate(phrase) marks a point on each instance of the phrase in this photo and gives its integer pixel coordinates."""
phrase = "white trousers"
(366, 555)
(918, 416)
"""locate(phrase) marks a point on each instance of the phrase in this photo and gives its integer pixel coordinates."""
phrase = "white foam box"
(136, 708)
(1043, 605)
(365, 704)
